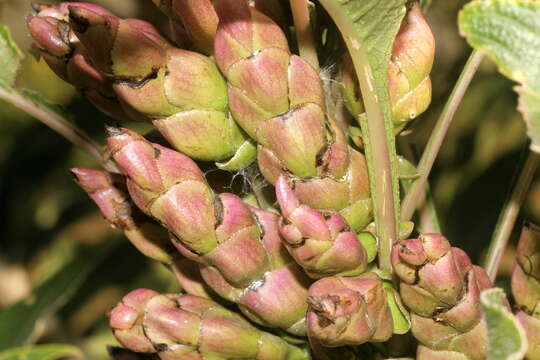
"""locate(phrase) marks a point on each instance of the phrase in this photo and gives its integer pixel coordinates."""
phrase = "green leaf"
(508, 31)
(245, 155)
(400, 315)
(42, 352)
(406, 170)
(369, 28)
(507, 340)
(10, 57)
(18, 321)
(369, 242)
(529, 106)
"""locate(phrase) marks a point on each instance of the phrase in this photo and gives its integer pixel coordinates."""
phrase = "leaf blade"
(529, 106)
(507, 340)
(508, 32)
(10, 57)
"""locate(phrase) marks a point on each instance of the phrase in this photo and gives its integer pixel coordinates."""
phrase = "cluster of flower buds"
(297, 138)
(189, 327)
(235, 93)
(526, 287)
(238, 247)
(441, 288)
(109, 193)
(349, 310)
(68, 58)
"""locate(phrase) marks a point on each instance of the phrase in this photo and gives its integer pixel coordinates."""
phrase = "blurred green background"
(51, 233)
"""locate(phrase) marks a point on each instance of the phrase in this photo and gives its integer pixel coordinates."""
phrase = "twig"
(429, 220)
(509, 214)
(414, 195)
(59, 124)
(304, 34)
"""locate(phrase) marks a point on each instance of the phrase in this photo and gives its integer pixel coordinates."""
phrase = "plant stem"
(382, 178)
(434, 144)
(509, 214)
(59, 124)
(258, 191)
(378, 136)
(304, 34)
(429, 220)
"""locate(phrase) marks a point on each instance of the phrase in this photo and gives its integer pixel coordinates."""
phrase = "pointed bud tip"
(37, 7)
(81, 173)
(77, 172)
(81, 18)
(285, 196)
(113, 131)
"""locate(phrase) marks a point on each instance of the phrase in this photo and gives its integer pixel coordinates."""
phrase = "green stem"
(59, 124)
(258, 191)
(434, 144)
(508, 216)
(379, 153)
(304, 34)
(378, 136)
(429, 220)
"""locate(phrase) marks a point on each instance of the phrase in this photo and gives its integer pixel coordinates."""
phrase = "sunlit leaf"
(507, 340)
(529, 106)
(10, 57)
(508, 31)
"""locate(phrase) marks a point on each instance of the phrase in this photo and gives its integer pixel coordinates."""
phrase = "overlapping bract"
(180, 91)
(441, 288)
(68, 58)
(197, 18)
(239, 248)
(278, 99)
(349, 311)
(189, 327)
(321, 242)
(409, 83)
(105, 189)
(109, 193)
(526, 287)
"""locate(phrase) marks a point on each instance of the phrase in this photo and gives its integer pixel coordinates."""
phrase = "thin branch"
(261, 197)
(414, 195)
(59, 124)
(304, 34)
(429, 220)
(508, 216)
